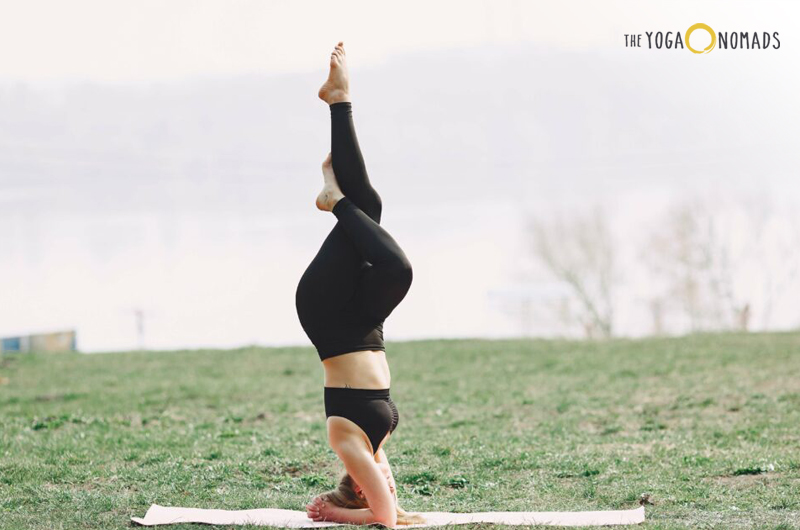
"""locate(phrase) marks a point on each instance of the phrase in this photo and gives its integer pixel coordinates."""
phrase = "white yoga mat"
(295, 519)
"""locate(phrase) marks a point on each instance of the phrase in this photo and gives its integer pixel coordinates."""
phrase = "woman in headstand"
(357, 278)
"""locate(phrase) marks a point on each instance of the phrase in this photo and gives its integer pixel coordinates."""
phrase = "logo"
(727, 40)
(710, 31)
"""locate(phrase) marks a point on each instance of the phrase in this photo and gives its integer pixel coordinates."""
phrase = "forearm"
(352, 515)
(384, 461)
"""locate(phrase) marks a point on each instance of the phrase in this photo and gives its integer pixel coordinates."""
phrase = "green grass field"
(707, 425)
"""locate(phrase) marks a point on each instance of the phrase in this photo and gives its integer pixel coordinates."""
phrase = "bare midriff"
(358, 369)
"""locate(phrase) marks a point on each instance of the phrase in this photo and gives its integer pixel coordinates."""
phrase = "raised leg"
(348, 162)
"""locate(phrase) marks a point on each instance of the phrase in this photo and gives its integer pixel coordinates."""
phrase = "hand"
(319, 509)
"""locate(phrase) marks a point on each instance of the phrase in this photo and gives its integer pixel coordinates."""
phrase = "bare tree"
(703, 250)
(784, 246)
(579, 251)
(686, 255)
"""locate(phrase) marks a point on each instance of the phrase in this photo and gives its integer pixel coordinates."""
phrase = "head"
(350, 495)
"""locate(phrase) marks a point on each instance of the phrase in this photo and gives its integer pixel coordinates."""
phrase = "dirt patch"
(746, 481)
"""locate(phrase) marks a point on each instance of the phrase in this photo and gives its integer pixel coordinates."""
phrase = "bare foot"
(337, 88)
(331, 193)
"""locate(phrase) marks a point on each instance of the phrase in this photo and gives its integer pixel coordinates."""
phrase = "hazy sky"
(165, 155)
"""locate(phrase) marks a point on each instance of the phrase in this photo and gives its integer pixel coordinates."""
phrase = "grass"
(708, 426)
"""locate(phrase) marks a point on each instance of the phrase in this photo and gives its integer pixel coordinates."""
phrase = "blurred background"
(159, 163)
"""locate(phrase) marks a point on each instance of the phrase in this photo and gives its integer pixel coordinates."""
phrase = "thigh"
(330, 280)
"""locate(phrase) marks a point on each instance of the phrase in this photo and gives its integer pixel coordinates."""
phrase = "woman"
(357, 278)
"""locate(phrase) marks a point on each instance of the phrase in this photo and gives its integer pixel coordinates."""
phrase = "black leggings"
(360, 274)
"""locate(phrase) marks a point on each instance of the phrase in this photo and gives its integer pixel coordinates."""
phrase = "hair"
(345, 496)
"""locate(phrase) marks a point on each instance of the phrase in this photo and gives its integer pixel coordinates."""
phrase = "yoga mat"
(295, 519)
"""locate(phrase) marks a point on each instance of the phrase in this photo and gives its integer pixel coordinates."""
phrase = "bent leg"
(385, 283)
(348, 163)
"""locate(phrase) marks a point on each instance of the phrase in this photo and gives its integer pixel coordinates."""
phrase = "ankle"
(337, 201)
(338, 96)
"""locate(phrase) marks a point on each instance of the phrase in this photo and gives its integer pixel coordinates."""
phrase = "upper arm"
(361, 465)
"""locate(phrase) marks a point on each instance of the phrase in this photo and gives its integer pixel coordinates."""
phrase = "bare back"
(359, 369)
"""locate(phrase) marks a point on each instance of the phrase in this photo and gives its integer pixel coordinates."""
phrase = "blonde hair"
(345, 496)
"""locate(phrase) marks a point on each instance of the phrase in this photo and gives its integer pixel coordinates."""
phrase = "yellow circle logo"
(710, 31)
